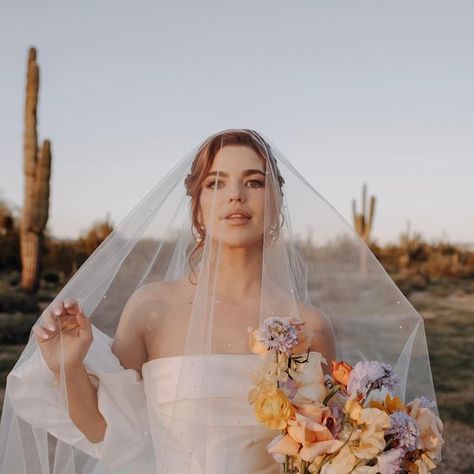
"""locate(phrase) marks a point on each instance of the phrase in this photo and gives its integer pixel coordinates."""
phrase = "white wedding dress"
(137, 410)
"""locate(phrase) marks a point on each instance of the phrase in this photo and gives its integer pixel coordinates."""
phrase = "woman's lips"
(237, 220)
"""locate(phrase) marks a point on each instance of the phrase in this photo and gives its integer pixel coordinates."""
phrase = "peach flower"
(424, 465)
(309, 453)
(281, 446)
(431, 429)
(371, 425)
(309, 430)
(309, 379)
(342, 463)
(256, 346)
(315, 411)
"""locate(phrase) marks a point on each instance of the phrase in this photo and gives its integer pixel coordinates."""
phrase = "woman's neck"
(238, 272)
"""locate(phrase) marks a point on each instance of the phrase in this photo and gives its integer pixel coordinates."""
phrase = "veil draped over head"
(195, 280)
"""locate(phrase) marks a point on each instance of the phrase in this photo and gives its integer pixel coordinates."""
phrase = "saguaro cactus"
(363, 223)
(37, 171)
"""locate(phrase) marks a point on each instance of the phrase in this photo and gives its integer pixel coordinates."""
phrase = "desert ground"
(448, 312)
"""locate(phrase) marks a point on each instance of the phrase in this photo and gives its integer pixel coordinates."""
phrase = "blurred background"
(371, 101)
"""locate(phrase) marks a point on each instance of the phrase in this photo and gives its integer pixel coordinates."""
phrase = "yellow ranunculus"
(272, 408)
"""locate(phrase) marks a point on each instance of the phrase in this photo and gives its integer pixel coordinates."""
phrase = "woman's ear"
(199, 217)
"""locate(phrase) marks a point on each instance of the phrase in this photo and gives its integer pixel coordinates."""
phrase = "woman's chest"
(186, 326)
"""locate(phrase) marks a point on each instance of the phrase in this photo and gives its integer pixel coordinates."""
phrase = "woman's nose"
(236, 194)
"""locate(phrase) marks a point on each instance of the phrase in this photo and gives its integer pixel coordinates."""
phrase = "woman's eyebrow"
(244, 173)
(249, 172)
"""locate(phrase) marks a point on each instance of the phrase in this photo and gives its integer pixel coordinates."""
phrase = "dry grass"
(449, 314)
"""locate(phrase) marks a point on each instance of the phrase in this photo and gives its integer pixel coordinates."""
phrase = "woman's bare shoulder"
(144, 312)
(163, 290)
(312, 315)
(321, 328)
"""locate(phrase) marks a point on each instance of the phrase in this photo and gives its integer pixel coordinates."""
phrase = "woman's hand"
(65, 319)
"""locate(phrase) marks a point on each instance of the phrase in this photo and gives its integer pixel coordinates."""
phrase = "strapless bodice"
(206, 432)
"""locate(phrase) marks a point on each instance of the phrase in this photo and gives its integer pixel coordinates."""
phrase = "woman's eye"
(255, 183)
(212, 184)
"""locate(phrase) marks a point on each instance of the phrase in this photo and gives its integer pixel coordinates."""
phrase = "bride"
(142, 363)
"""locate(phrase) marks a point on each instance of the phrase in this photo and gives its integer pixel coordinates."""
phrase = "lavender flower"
(278, 334)
(404, 429)
(426, 402)
(289, 388)
(334, 422)
(389, 461)
(371, 375)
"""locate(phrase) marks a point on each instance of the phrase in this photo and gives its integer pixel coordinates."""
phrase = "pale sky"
(351, 91)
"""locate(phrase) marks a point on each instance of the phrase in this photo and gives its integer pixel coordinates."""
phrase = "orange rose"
(341, 372)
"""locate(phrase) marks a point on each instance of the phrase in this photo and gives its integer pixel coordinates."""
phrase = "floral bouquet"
(346, 422)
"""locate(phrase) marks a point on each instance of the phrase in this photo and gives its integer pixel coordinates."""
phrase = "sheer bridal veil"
(171, 266)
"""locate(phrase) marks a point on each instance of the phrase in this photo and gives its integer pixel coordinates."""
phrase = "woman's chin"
(239, 241)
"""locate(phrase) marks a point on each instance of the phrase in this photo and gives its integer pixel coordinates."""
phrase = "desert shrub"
(14, 278)
(45, 295)
(12, 301)
(50, 276)
(16, 328)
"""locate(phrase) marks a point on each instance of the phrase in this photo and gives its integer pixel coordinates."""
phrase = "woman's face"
(232, 199)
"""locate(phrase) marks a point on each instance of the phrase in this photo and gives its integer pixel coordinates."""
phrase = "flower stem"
(333, 392)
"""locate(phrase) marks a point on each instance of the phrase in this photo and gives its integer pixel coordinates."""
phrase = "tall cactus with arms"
(37, 171)
(363, 223)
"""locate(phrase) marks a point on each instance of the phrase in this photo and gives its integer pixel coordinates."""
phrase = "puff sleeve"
(34, 395)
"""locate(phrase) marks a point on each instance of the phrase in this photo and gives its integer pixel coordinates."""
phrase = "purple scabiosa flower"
(405, 430)
(289, 388)
(389, 461)
(278, 334)
(334, 422)
(426, 402)
(371, 374)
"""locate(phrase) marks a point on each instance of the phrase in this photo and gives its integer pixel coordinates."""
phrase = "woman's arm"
(129, 340)
(82, 403)
(82, 387)
(323, 341)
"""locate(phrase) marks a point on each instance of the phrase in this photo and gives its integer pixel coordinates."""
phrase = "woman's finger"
(67, 321)
(71, 305)
(41, 333)
(83, 320)
(50, 321)
(58, 308)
